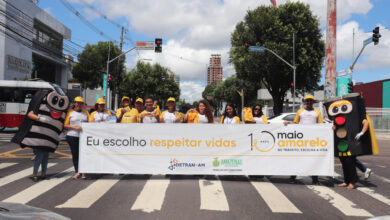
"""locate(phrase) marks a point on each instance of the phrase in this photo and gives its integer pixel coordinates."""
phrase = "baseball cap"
(139, 100)
(79, 99)
(309, 97)
(171, 99)
(125, 97)
(100, 101)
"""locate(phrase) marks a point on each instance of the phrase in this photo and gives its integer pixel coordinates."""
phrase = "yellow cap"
(79, 99)
(139, 100)
(125, 97)
(100, 101)
(309, 97)
(171, 99)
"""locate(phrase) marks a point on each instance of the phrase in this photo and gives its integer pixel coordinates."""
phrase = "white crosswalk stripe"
(373, 194)
(6, 137)
(21, 174)
(86, 197)
(152, 195)
(38, 189)
(274, 198)
(5, 165)
(212, 195)
(338, 201)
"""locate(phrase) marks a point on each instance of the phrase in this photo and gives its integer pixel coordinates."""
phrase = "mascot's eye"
(61, 103)
(335, 109)
(344, 108)
(54, 100)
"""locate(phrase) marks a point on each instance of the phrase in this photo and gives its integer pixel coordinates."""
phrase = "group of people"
(149, 112)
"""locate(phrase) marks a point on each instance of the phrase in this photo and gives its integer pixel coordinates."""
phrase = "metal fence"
(380, 118)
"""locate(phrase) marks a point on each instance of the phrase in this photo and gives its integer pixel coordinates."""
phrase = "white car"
(288, 116)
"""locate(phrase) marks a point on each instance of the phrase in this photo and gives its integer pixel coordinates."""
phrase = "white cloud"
(191, 91)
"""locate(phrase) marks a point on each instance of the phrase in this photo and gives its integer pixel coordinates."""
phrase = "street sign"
(144, 45)
(367, 41)
(256, 49)
(104, 84)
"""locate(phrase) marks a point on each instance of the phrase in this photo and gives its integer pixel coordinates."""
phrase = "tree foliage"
(273, 28)
(147, 80)
(92, 64)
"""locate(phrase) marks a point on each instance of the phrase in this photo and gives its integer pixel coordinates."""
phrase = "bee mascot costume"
(43, 134)
(353, 134)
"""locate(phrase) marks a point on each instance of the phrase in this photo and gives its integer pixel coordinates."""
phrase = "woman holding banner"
(100, 115)
(202, 114)
(72, 124)
(171, 115)
(255, 115)
(230, 115)
(149, 115)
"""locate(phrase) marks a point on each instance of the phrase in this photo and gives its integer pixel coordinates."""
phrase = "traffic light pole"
(294, 71)
(107, 70)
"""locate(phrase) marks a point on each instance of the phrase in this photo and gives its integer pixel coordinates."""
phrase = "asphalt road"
(191, 197)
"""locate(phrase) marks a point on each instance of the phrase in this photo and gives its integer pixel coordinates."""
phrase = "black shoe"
(292, 180)
(316, 183)
(43, 177)
(34, 178)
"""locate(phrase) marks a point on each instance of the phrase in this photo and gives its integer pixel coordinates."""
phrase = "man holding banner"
(307, 115)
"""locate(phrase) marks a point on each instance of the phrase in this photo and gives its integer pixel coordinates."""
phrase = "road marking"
(5, 165)
(212, 195)
(274, 198)
(21, 174)
(41, 187)
(338, 201)
(86, 197)
(152, 195)
(373, 194)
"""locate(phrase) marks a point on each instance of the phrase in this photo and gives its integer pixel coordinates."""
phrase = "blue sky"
(192, 30)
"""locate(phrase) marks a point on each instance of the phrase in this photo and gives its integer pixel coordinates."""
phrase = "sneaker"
(367, 173)
(34, 178)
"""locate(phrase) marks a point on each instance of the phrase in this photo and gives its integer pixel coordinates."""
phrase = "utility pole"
(119, 73)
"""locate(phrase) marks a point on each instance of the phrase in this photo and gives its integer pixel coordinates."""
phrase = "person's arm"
(265, 120)
(31, 115)
(364, 129)
(237, 119)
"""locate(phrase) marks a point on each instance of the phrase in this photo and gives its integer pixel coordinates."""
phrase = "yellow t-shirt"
(99, 116)
(127, 116)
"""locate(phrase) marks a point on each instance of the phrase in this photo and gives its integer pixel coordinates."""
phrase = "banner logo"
(263, 141)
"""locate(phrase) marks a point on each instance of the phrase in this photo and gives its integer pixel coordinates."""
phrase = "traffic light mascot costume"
(44, 133)
(353, 134)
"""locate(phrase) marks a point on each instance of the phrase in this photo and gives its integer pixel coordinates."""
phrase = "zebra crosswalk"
(6, 137)
(213, 194)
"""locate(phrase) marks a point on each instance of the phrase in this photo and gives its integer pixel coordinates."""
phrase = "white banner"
(243, 149)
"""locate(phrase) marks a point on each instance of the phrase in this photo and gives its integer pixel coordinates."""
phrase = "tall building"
(214, 70)
(31, 44)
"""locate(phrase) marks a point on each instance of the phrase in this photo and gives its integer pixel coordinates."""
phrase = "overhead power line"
(83, 19)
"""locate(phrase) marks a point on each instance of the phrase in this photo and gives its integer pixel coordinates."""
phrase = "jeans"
(41, 157)
(360, 165)
(74, 148)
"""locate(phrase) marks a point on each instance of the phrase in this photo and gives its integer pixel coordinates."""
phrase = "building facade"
(31, 44)
(214, 70)
(376, 94)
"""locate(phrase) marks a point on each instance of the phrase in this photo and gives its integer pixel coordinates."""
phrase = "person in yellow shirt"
(171, 115)
(202, 114)
(230, 115)
(100, 115)
(307, 115)
(72, 124)
(122, 114)
(255, 115)
(149, 115)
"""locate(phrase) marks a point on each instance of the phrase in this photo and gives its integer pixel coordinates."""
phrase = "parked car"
(288, 116)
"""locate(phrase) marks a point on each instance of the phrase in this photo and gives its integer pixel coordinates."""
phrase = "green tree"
(150, 80)
(209, 95)
(273, 28)
(92, 63)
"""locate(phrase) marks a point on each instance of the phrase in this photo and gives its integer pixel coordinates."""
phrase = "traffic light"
(292, 88)
(246, 46)
(158, 45)
(376, 35)
(350, 87)
(109, 78)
